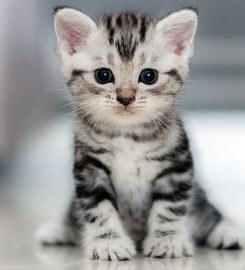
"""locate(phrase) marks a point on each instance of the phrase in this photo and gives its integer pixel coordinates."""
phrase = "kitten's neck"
(147, 131)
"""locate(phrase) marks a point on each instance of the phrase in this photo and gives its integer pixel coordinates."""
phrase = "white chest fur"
(131, 172)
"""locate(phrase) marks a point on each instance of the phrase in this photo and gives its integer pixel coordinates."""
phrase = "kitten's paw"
(56, 234)
(169, 246)
(119, 249)
(226, 235)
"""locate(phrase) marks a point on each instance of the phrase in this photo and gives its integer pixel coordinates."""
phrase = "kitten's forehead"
(126, 31)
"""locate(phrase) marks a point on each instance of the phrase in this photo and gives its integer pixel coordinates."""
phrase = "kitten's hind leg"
(63, 232)
(56, 234)
(226, 235)
(210, 228)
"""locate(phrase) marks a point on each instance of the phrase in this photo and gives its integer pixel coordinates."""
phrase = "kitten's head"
(125, 69)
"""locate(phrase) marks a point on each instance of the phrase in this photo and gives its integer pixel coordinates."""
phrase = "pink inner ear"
(181, 35)
(73, 33)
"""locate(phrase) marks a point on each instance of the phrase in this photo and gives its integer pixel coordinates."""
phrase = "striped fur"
(133, 168)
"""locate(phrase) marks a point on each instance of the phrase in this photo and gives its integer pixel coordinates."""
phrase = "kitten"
(133, 169)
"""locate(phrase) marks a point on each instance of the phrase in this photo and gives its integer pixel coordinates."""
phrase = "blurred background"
(36, 127)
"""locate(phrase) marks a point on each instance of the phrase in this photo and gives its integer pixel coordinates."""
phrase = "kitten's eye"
(148, 76)
(103, 75)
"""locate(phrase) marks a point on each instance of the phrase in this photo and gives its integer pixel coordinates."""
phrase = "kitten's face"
(126, 69)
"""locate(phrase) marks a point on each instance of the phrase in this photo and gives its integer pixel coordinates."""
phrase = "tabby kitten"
(133, 169)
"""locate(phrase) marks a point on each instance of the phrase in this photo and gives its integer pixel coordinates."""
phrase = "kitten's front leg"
(168, 235)
(102, 236)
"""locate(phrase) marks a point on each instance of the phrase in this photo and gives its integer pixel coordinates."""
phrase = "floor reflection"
(71, 259)
(221, 260)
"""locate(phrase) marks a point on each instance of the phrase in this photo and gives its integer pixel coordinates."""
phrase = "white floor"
(40, 184)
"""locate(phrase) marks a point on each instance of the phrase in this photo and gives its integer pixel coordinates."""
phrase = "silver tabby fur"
(133, 168)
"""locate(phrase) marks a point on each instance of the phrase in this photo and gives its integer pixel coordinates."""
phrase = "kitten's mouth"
(125, 111)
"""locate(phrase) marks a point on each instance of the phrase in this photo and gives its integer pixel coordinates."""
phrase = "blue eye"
(103, 76)
(148, 76)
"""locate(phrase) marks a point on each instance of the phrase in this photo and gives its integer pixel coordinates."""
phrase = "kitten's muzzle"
(126, 96)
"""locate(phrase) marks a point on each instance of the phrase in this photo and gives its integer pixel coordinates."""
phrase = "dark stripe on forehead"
(111, 36)
(119, 21)
(108, 22)
(110, 29)
(143, 28)
(126, 30)
(126, 48)
(134, 20)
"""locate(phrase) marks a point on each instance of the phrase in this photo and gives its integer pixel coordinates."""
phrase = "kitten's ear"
(72, 29)
(178, 30)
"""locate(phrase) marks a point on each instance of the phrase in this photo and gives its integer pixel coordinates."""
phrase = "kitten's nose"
(125, 101)
(126, 95)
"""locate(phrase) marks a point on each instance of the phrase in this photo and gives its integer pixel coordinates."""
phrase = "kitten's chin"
(127, 116)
